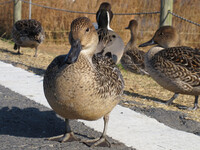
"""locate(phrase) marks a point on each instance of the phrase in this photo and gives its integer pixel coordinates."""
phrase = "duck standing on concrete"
(133, 58)
(81, 85)
(177, 69)
(27, 33)
(110, 43)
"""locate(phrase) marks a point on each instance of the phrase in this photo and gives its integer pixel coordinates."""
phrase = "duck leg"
(16, 47)
(195, 104)
(191, 108)
(169, 102)
(36, 52)
(19, 51)
(102, 139)
(68, 136)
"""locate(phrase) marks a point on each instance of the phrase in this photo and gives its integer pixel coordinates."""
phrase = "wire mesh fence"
(56, 17)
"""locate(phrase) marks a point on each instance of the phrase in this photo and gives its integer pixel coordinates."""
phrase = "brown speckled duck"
(110, 43)
(133, 58)
(27, 33)
(177, 69)
(81, 85)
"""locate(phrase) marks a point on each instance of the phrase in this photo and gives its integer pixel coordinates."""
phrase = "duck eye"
(161, 33)
(87, 30)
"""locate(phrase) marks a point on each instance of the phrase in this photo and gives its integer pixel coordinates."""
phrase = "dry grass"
(57, 23)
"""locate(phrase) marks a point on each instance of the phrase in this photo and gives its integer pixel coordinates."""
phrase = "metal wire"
(70, 11)
(197, 24)
(80, 12)
(2, 3)
(139, 13)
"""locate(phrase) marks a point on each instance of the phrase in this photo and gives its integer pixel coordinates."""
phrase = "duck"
(82, 85)
(175, 68)
(27, 33)
(133, 58)
(110, 43)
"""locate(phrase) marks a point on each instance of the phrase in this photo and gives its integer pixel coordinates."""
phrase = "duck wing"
(108, 76)
(55, 66)
(133, 60)
(28, 28)
(182, 63)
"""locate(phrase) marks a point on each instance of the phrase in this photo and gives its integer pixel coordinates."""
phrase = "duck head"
(104, 15)
(165, 36)
(83, 39)
(133, 24)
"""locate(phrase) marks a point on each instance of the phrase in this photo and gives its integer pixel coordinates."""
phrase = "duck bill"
(151, 42)
(126, 28)
(74, 52)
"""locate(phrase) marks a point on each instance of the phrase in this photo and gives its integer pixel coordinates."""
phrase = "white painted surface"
(131, 128)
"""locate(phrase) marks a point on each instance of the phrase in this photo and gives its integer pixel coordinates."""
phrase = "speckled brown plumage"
(86, 84)
(133, 60)
(85, 88)
(107, 69)
(78, 24)
(179, 63)
(177, 69)
(27, 33)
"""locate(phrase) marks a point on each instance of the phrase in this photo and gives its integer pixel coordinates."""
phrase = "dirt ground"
(141, 92)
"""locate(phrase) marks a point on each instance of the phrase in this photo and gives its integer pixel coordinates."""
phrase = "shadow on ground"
(9, 52)
(30, 122)
(35, 70)
(33, 123)
(157, 100)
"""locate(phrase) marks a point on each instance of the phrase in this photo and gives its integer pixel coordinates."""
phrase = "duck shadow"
(144, 97)
(7, 51)
(32, 123)
(29, 122)
(37, 71)
(157, 100)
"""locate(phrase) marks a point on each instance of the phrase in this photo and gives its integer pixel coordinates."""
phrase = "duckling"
(176, 69)
(133, 58)
(110, 43)
(81, 85)
(27, 33)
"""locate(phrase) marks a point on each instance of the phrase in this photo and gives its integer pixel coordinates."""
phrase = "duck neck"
(86, 55)
(108, 25)
(133, 39)
(103, 20)
(153, 51)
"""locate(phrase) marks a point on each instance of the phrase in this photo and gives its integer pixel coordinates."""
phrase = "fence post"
(165, 17)
(30, 9)
(17, 10)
